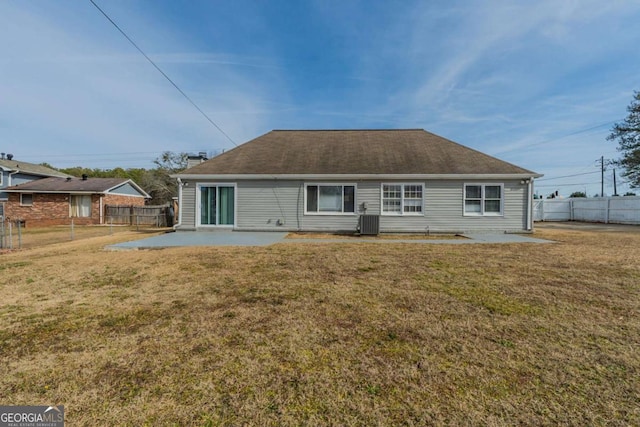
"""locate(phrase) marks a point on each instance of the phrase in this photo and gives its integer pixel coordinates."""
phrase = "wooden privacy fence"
(156, 216)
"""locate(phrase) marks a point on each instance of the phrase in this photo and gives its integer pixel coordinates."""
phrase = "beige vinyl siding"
(444, 210)
(269, 205)
(188, 207)
(279, 205)
(369, 192)
(330, 223)
(261, 204)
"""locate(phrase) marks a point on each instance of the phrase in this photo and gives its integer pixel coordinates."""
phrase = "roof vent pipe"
(84, 176)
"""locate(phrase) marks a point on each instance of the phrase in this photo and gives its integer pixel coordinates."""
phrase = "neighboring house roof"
(30, 168)
(353, 152)
(74, 186)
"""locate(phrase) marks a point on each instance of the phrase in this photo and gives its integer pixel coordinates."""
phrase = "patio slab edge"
(194, 239)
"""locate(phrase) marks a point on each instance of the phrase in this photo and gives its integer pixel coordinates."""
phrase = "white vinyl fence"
(616, 210)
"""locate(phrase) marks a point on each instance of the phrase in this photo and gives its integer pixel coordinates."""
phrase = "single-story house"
(55, 201)
(14, 172)
(407, 180)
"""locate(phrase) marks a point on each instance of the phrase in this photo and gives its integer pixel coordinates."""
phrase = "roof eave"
(35, 173)
(524, 175)
(27, 190)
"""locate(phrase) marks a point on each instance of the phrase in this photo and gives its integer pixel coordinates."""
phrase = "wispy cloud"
(116, 101)
(516, 79)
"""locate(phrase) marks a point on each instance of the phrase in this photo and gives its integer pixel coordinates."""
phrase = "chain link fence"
(10, 233)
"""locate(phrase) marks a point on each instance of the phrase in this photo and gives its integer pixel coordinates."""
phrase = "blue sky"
(538, 84)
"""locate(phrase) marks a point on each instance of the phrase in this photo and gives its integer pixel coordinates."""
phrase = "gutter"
(335, 177)
(31, 190)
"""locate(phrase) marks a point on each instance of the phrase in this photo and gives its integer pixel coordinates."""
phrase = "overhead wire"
(567, 176)
(526, 146)
(163, 73)
(567, 184)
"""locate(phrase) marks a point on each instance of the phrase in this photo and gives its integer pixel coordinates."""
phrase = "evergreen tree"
(627, 134)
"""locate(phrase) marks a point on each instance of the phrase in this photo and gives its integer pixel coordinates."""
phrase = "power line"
(163, 73)
(119, 154)
(115, 155)
(567, 176)
(555, 139)
(580, 184)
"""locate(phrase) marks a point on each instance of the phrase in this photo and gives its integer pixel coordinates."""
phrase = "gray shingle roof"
(65, 185)
(30, 168)
(357, 152)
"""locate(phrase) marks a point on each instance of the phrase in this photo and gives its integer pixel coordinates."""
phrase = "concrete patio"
(254, 238)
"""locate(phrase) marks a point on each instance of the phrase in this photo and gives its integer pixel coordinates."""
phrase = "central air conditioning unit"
(369, 225)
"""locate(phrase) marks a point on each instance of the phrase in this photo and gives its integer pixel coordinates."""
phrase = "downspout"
(10, 174)
(9, 181)
(530, 204)
(101, 209)
(282, 221)
(180, 205)
(298, 205)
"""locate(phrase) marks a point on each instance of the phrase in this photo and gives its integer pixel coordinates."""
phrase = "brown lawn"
(327, 334)
(28, 238)
(391, 236)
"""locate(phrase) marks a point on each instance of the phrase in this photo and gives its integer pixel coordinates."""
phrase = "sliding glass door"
(217, 204)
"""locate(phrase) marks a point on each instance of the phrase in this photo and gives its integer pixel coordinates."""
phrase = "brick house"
(14, 172)
(56, 201)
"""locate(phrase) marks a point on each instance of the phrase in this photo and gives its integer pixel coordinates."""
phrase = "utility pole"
(615, 187)
(601, 176)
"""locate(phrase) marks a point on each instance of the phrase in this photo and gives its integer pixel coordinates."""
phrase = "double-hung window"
(483, 199)
(330, 199)
(402, 199)
(26, 199)
(80, 206)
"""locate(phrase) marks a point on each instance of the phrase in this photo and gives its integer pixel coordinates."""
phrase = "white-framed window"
(26, 199)
(80, 206)
(329, 199)
(403, 199)
(483, 199)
